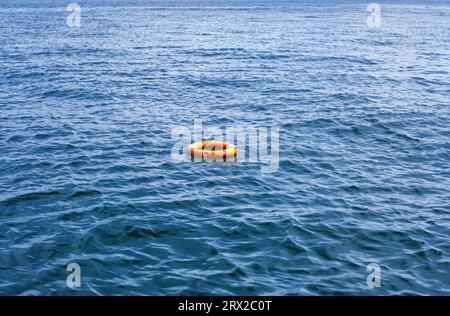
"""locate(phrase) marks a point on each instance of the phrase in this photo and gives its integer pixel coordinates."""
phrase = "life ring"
(212, 150)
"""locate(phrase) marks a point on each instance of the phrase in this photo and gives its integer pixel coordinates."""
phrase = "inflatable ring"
(212, 150)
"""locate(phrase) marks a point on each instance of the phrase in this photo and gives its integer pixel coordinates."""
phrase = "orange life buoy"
(212, 150)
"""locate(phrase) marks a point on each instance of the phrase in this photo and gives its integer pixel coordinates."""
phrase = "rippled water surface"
(86, 173)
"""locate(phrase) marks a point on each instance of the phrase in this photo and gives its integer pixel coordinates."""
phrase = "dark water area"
(87, 177)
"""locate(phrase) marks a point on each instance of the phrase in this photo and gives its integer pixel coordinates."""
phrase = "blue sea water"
(86, 174)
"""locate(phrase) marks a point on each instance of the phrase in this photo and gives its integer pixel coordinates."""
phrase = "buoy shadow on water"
(213, 151)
